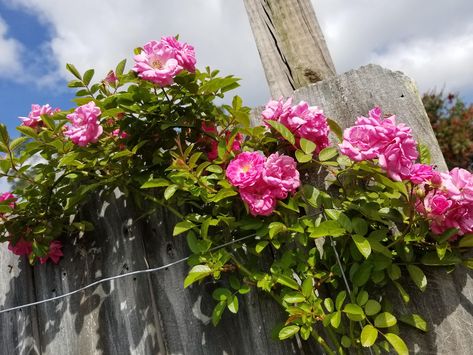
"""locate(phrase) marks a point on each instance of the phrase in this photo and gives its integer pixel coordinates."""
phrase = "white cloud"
(10, 53)
(429, 40)
(99, 34)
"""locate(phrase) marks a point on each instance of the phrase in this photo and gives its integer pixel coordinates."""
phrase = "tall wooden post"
(290, 43)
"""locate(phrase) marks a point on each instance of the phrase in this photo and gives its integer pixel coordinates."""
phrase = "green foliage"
(333, 252)
(452, 122)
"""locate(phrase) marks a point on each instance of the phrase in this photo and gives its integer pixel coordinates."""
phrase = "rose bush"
(156, 134)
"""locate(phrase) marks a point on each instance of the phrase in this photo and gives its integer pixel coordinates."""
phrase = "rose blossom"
(111, 78)
(373, 137)
(8, 196)
(259, 198)
(398, 157)
(55, 253)
(85, 125)
(280, 174)
(308, 122)
(184, 53)
(421, 173)
(277, 110)
(245, 169)
(159, 62)
(119, 134)
(34, 117)
(21, 247)
(302, 120)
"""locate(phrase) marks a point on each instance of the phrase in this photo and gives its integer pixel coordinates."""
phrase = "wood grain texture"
(290, 43)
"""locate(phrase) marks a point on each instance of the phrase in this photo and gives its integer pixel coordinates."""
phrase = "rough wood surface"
(290, 43)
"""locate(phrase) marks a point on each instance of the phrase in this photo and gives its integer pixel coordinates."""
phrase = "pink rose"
(55, 253)
(159, 62)
(421, 173)
(237, 141)
(34, 117)
(302, 120)
(8, 196)
(280, 173)
(398, 157)
(183, 52)
(119, 134)
(111, 78)
(246, 169)
(463, 181)
(85, 125)
(259, 198)
(277, 110)
(21, 247)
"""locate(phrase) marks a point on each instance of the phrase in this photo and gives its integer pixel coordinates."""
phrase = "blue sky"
(430, 41)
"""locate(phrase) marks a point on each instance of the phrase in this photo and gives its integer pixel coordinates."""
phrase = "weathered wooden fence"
(152, 313)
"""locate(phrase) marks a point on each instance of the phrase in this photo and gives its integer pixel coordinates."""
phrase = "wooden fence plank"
(290, 43)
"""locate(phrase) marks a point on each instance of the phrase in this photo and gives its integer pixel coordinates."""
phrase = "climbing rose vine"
(365, 207)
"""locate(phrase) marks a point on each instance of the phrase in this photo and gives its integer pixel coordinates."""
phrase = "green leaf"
(346, 342)
(223, 194)
(362, 244)
(197, 273)
(232, 304)
(169, 192)
(294, 297)
(72, 69)
(302, 157)
(88, 76)
(372, 307)
(218, 312)
(466, 241)
(415, 321)
(286, 281)
(342, 295)
(424, 153)
(182, 227)
(307, 146)
(418, 276)
(385, 320)
(307, 287)
(432, 259)
(327, 228)
(260, 246)
(354, 312)
(369, 334)
(288, 332)
(160, 182)
(327, 153)
(282, 130)
(328, 303)
(275, 228)
(27, 131)
(397, 343)
(394, 272)
(445, 236)
(404, 295)
(17, 142)
(335, 128)
(360, 226)
(336, 319)
(120, 68)
(362, 298)
(4, 137)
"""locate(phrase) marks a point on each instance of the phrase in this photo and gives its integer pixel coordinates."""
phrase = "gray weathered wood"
(290, 43)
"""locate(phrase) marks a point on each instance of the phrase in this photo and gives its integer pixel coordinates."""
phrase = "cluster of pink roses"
(24, 247)
(85, 126)
(262, 181)
(34, 117)
(373, 137)
(302, 120)
(450, 203)
(159, 62)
